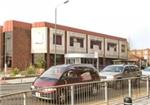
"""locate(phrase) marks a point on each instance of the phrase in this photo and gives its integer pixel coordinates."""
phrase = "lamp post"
(56, 28)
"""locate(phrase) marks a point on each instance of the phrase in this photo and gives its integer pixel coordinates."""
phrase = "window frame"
(58, 39)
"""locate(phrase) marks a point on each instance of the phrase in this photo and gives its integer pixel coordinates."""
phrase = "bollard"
(127, 101)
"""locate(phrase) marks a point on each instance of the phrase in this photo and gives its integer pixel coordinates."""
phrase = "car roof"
(124, 65)
(71, 66)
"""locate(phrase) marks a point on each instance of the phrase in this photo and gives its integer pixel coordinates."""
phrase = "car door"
(85, 76)
(133, 71)
(127, 72)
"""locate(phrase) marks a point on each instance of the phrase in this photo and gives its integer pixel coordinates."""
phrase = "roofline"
(63, 27)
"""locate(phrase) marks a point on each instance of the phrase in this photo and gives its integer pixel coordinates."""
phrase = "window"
(86, 76)
(112, 45)
(95, 42)
(127, 69)
(71, 41)
(122, 48)
(76, 40)
(8, 48)
(58, 39)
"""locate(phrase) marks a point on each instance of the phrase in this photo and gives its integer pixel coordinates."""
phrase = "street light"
(56, 26)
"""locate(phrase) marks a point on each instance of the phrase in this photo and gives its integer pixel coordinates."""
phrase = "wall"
(111, 53)
(21, 48)
(39, 40)
(95, 47)
(123, 51)
(76, 48)
(60, 49)
(1, 47)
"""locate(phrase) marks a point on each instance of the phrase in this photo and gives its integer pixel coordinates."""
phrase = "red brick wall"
(21, 42)
(21, 47)
(1, 47)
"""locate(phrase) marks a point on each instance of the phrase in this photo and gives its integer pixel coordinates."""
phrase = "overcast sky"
(124, 18)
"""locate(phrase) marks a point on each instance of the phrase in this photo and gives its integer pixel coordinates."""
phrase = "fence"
(91, 93)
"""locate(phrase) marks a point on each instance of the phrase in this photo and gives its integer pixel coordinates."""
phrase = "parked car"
(146, 71)
(44, 87)
(114, 72)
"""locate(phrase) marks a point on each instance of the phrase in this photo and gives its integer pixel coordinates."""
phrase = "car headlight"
(49, 89)
(32, 87)
(110, 77)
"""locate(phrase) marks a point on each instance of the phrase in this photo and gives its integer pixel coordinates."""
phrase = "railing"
(90, 93)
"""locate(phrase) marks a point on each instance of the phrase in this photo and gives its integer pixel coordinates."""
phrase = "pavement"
(142, 101)
(17, 80)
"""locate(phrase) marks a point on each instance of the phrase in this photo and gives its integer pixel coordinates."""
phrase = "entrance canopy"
(82, 58)
(81, 55)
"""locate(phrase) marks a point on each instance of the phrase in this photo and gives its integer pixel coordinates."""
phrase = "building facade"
(1, 47)
(22, 44)
(142, 53)
(16, 44)
(72, 40)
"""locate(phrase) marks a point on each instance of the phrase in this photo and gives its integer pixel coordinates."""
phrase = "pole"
(55, 49)
(55, 35)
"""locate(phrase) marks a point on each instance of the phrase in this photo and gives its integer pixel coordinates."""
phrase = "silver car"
(146, 72)
(113, 72)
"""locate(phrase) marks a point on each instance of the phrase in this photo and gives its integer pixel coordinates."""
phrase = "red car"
(51, 85)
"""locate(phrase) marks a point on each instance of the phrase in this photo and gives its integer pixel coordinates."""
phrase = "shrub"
(15, 71)
(40, 63)
(31, 70)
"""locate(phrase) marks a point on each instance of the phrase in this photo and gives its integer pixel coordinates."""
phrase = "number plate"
(37, 94)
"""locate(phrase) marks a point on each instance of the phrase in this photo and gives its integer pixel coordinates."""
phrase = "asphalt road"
(12, 88)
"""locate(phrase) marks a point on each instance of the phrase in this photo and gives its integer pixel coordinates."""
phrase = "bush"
(31, 70)
(40, 63)
(15, 71)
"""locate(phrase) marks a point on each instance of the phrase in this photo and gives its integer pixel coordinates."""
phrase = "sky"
(129, 19)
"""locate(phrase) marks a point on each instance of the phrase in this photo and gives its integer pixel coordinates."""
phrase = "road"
(11, 88)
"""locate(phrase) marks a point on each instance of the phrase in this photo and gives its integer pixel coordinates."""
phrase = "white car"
(146, 72)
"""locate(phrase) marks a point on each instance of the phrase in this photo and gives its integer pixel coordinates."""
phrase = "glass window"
(122, 48)
(86, 76)
(53, 72)
(95, 42)
(76, 40)
(58, 39)
(113, 69)
(8, 48)
(112, 45)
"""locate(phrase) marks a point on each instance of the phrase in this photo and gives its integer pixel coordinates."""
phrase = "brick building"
(1, 47)
(23, 43)
(16, 44)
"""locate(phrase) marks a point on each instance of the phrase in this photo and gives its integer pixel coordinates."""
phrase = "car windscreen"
(113, 69)
(54, 72)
